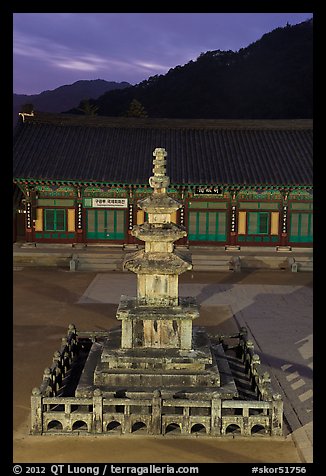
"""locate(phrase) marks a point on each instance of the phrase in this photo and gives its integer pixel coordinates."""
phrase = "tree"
(27, 108)
(136, 109)
(87, 108)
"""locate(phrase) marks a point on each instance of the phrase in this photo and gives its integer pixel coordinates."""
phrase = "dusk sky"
(53, 49)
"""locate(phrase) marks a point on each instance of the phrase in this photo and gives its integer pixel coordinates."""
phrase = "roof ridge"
(166, 123)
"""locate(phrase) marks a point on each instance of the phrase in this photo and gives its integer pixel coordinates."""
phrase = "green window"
(301, 227)
(258, 223)
(54, 219)
(207, 226)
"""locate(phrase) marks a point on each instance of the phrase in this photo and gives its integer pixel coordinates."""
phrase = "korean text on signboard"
(110, 202)
(208, 190)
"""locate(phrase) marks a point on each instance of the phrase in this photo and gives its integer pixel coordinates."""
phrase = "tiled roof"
(93, 148)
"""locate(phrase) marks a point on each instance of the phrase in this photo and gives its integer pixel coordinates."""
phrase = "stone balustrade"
(61, 362)
(55, 414)
(154, 416)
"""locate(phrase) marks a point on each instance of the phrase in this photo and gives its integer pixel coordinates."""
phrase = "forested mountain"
(271, 78)
(65, 97)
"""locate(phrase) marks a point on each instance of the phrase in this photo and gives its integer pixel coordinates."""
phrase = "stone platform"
(195, 374)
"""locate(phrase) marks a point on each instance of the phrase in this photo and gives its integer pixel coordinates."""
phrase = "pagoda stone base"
(135, 372)
(158, 368)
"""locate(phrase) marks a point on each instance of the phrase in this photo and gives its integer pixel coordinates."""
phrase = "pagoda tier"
(152, 235)
(153, 326)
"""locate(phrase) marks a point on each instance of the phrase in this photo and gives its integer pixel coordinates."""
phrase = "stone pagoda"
(158, 348)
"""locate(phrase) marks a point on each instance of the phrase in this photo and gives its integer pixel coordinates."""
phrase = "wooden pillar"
(130, 220)
(180, 214)
(28, 222)
(29, 216)
(284, 221)
(233, 220)
(187, 196)
(79, 217)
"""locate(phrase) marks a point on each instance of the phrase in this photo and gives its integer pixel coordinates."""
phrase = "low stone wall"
(154, 415)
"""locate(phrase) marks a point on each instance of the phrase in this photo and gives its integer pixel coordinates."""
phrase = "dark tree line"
(271, 78)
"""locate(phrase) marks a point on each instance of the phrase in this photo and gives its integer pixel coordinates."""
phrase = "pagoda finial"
(159, 182)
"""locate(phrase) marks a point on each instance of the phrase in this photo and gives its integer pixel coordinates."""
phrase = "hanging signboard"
(109, 202)
(208, 190)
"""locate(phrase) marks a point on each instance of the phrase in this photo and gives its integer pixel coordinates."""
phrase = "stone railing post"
(36, 412)
(243, 332)
(255, 361)
(66, 352)
(240, 351)
(72, 339)
(264, 385)
(47, 383)
(156, 413)
(185, 426)
(216, 415)
(248, 351)
(97, 411)
(245, 420)
(57, 370)
(277, 415)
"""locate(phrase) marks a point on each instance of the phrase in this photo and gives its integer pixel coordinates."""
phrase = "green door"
(301, 228)
(105, 224)
(207, 226)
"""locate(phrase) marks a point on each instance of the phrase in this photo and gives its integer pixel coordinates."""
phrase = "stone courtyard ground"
(46, 301)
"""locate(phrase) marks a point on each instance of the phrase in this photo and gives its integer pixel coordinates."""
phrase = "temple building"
(240, 182)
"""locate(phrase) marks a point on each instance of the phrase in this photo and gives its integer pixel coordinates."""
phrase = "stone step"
(204, 262)
(264, 262)
(304, 263)
(97, 261)
(94, 258)
(98, 264)
(211, 267)
(98, 255)
(98, 267)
